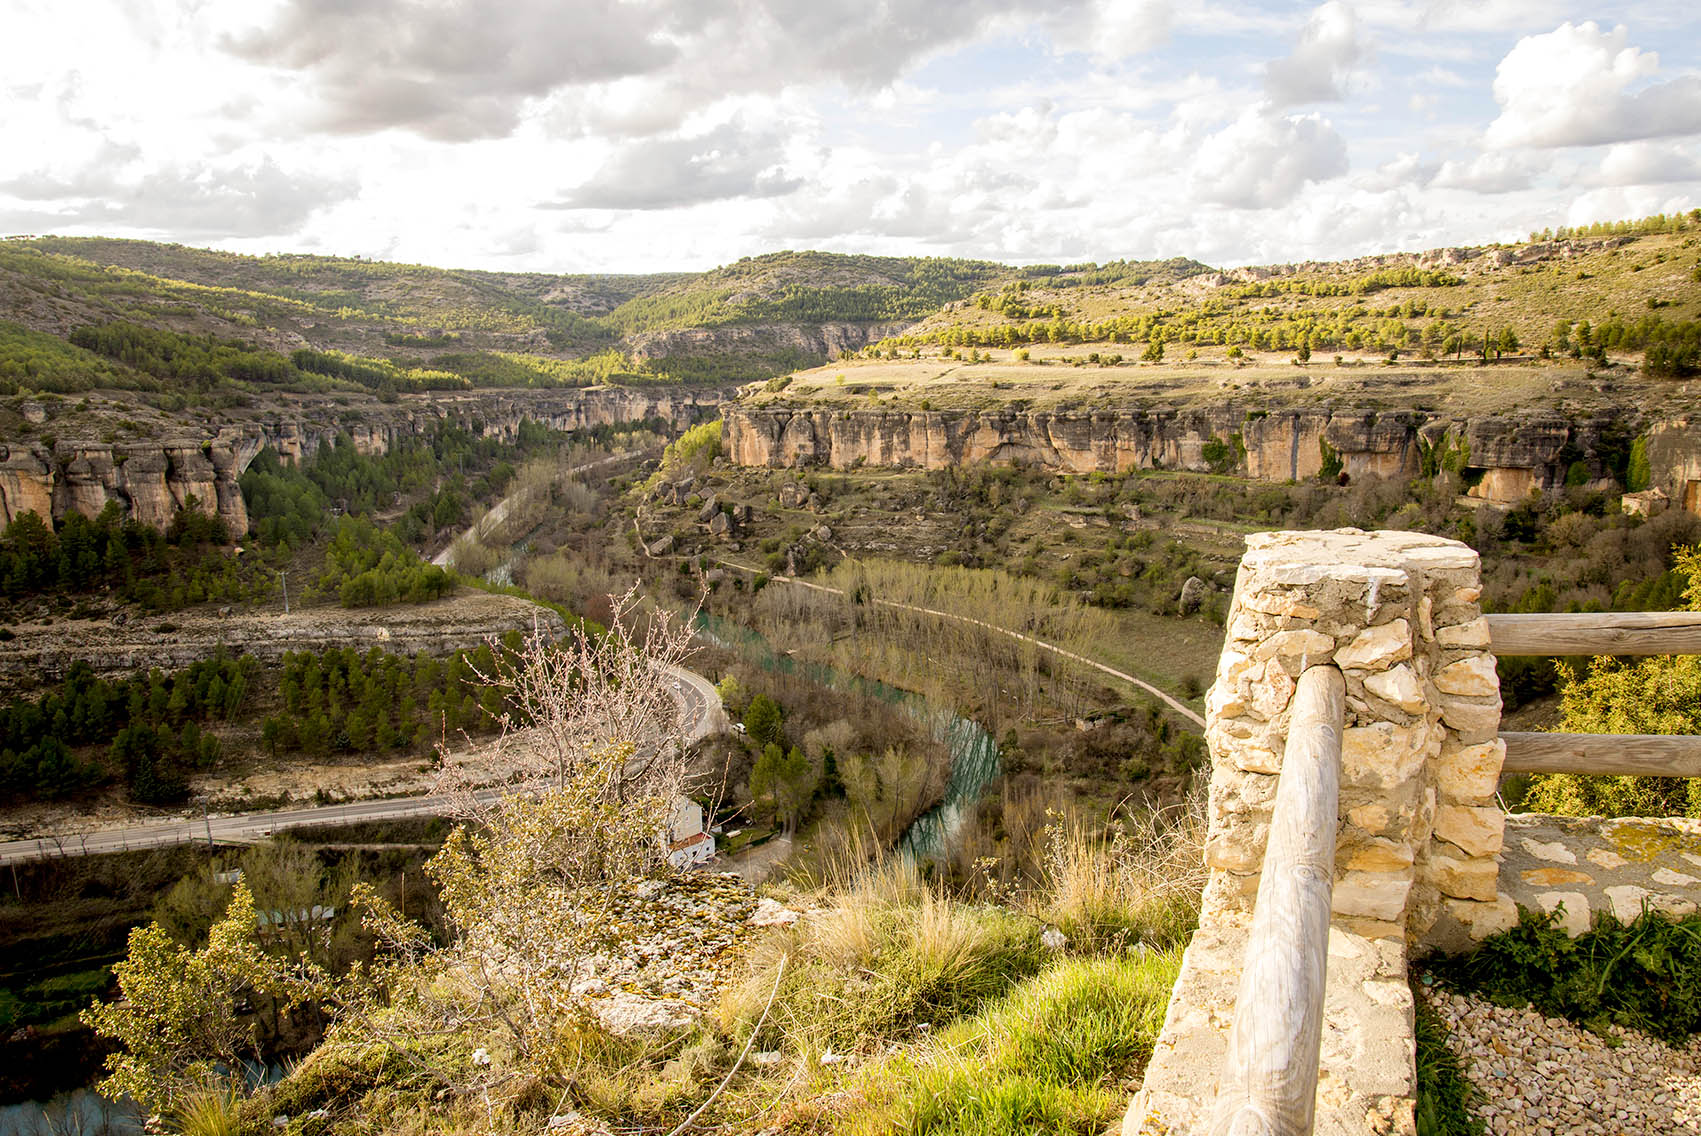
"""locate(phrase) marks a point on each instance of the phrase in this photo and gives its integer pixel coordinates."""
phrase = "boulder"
(1193, 594)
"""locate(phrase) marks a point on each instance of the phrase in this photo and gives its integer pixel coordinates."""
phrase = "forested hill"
(84, 313)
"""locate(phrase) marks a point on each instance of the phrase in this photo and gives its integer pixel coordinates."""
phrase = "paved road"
(699, 710)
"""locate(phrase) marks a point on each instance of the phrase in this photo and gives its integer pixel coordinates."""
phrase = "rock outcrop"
(1506, 458)
(153, 479)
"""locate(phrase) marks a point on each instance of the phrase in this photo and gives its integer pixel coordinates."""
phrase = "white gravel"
(1540, 1076)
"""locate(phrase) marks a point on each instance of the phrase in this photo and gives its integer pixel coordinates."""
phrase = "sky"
(655, 135)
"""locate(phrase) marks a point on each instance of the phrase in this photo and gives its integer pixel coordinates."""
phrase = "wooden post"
(1269, 1080)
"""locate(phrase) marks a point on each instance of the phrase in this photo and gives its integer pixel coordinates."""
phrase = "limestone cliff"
(1508, 457)
(151, 479)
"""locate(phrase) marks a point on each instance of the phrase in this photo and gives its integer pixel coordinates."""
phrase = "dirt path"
(498, 512)
(1168, 700)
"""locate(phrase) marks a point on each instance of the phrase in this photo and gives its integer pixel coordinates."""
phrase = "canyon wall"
(152, 479)
(1504, 458)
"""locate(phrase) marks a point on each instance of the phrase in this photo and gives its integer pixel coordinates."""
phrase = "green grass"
(1443, 1092)
(1057, 1055)
(890, 956)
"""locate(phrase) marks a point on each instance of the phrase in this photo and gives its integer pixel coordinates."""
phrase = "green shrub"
(1643, 975)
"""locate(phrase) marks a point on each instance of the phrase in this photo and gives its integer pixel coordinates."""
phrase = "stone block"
(1552, 851)
(1250, 757)
(1471, 633)
(1382, 754)
(1460, 877)
(1606, 858)
(1473, 676)
(1292, 604)
(1482, 919)
(1372, 818)
(1377, 648)
(1576, 917)
(1373, 895)
(1378, 854)
(1476, 720)
(1476, 829)
(1272, 693)
(1225, 700)
(1469, 773)
(1554, 877)
(1312, 646)
(1399, 686)
(1239, 849)
(1234, 665)
(1627, 901)
(1673, 906)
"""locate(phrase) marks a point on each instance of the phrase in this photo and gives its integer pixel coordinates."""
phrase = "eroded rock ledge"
(153, 478)
(1504, 458)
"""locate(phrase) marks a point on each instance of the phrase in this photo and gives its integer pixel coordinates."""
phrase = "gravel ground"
(1539, 1076)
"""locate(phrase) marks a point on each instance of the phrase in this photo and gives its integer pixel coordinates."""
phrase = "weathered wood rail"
(1597, 633)
(1600, 633)
(1269, 1080)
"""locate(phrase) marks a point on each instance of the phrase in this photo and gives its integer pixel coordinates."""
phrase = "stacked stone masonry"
(1419, 827)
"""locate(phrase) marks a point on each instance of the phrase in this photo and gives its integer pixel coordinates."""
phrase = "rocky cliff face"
(1513, 455)
(153, 479)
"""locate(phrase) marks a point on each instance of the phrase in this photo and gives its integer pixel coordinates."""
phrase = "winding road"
(1173, 703)
(700, 713)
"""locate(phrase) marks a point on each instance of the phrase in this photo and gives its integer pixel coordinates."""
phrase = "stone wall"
(1419, 829)
(1425, 858)
(1583, 866)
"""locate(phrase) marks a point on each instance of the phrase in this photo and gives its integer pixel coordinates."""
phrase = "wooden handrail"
(1269, 1079)
(1604, 755)
(1597, 633)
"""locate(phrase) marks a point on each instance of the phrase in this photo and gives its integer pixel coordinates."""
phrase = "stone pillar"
(1418, 830)
(1398, 613)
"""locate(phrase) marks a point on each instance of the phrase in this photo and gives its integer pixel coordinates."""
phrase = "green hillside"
(87, 312)
(1625, 287)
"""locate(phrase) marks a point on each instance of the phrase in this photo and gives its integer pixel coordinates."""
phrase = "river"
(973, 751)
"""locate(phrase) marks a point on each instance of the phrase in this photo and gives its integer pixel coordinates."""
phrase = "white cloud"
(1615, 203)
(1262, 159)
(1491, 172)
(727, 162)
(1646, 163)
(1328, 47)
(1574, 86)
(207, 202)
(461, 69)
(1401, 170)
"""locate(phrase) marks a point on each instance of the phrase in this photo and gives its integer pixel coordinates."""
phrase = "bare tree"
(593, 764)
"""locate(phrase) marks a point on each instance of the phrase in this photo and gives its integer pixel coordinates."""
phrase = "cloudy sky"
(641, 135)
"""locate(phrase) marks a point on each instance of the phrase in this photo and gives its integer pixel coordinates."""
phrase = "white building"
(689, 843)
